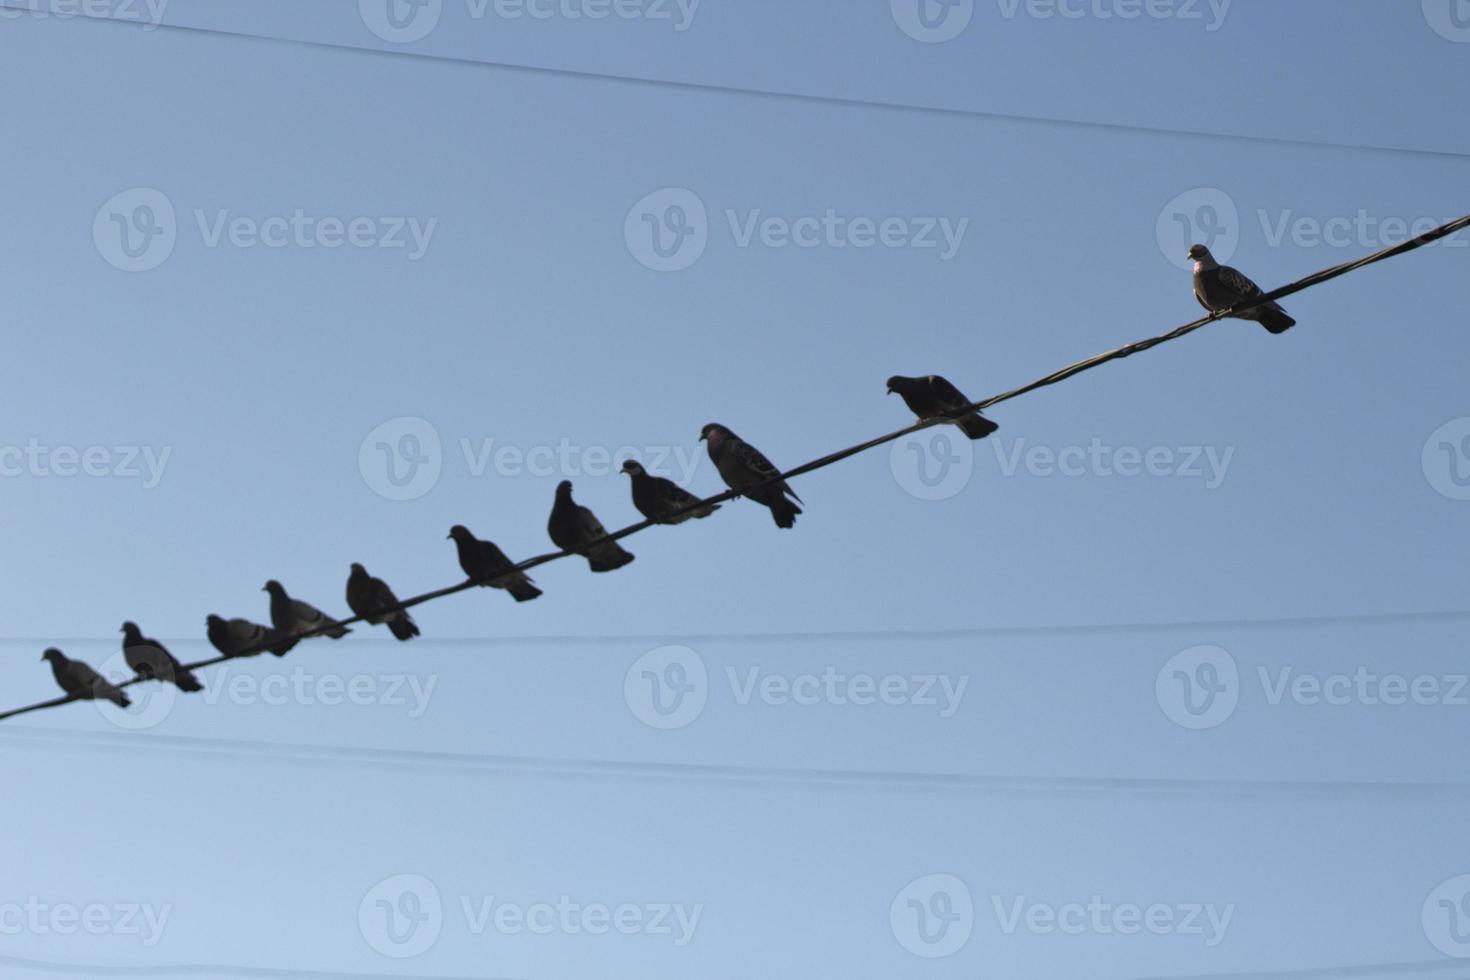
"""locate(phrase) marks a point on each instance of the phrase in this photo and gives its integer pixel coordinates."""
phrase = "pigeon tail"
(338, 633)
(1276, 320)
(186, 681)
(608, 559)
(119, 698)
(523, 590)
(784, 512)
(976, 426)
(403, 627)
(283, 646)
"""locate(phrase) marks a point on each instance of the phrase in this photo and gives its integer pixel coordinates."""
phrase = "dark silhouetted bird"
(370, 597)
(151, 660)
(484, 562)
(294, 619)
(744, 469)
(81, 681)
(573, 528)
(659, 499)
(1219, 287)
(932, 397)
(242, 638)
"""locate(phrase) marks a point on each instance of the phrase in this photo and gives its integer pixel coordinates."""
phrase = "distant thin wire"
(1447, 968)
(753, 92)
(1056, 377)
(196, 969)
(906, 635)
(421, 761)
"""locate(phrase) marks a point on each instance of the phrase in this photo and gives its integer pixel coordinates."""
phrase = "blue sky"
(1294, 517)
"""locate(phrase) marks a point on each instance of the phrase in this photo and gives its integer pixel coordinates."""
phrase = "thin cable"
(906, 635)
(1072, 370)
(753, 92)
(197, 969)
(1396, 792)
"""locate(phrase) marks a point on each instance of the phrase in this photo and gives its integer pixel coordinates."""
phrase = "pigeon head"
(213, 622)
(357, 569)
(274, 588)
(633, 468)
(460, 533)
(1200, 254)
(899, 383)
(714, 433)
(564, 490)
(54, 655)
(131, 629)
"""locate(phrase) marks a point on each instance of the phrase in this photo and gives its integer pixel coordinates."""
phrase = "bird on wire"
(933, 397)
(744, 470)
(660, 499)
(293, 618)
(242, 638)
(81, 681)
(151, 660)
(486, 564)
(574, 528)
(1219, 287)
(371, 599)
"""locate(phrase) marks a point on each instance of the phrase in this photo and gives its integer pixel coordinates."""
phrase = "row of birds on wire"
(575, 529)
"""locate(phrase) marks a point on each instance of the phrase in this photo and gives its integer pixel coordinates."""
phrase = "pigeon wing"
(590, 527)
(383, 597)
(950, 398)
(1238, 284)
(763, 469)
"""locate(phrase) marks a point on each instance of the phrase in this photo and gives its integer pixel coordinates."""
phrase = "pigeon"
(574, 528)
(484, 562)
(81, 681)
(747, 472)
(932, 397)
(151, 660)
(660, 500)
(368, 597)
(242, 638)
(295, 618)
(1219, 287)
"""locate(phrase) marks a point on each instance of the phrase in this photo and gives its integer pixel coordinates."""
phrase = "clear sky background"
(1303, 518)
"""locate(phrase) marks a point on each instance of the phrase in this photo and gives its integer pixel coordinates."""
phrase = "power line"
(1056, 377)
(1320, 621)
(196, 969)
(1394, 971)
(763, 93)
(422, 761)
